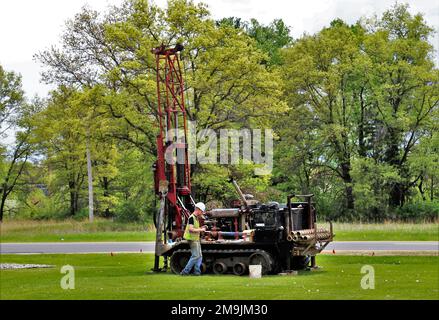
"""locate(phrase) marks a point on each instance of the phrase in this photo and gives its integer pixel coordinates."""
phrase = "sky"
(30, 26)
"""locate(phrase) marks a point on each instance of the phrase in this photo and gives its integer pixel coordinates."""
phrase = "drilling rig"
(279, 237)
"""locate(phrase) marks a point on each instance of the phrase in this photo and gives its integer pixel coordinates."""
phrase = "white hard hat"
(200, 206)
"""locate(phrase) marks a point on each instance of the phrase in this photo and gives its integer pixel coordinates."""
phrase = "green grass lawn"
(106, 230)
(72, 230)
(387, 232)
(124, 276)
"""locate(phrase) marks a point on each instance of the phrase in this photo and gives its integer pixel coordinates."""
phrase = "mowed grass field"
(387, 232)
(126, 276)
(71, 230)
(107, 230)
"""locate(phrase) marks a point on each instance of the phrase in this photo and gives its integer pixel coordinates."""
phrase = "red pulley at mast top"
(172, 138)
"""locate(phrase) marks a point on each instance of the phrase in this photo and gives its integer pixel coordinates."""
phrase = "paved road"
(98, 247)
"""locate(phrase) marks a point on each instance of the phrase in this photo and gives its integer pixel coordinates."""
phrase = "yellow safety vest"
(194, 236)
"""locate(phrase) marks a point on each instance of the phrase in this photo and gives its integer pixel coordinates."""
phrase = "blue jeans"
(196, 258)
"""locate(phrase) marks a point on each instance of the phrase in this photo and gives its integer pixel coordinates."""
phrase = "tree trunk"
(392, 158)
(90, 184)
(105, 186)
(349, 198)
(347, 179)
(421, 188)
(397, 195)
(73, 198)
(2, 204)
(361, 142)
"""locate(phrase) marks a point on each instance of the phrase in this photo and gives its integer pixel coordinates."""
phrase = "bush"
(129, 212)
(38, 206)
(420, 211)
(82, 214)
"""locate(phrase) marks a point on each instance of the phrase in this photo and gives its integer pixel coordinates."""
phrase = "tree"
(69, 124)
(320, 78)
(227, 83)
(59, 134)
(11, 98)
(404, 84)
(12, 168)
(269, 38)
(364, 102)
(225, 80)
(14, 115)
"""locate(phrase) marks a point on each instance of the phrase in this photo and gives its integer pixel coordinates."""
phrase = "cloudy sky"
(29, 26)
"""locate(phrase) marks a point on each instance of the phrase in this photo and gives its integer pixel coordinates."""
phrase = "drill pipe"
(319, 236)
(308, 231)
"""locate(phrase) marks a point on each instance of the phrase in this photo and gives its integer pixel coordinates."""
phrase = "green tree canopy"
(362, 96)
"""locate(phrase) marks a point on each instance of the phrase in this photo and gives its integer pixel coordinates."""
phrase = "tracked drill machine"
(280, 237)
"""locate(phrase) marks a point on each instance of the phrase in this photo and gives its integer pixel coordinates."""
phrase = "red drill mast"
(172, 170)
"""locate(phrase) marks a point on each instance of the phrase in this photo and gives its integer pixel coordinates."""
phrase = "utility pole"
(90, 179)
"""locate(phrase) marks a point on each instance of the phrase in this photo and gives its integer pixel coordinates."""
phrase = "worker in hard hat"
(192, 235)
